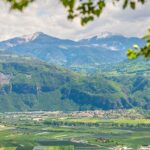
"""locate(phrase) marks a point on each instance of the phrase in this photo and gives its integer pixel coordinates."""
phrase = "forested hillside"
(28, 84)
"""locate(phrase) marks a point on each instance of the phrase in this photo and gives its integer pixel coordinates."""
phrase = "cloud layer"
(50, 17)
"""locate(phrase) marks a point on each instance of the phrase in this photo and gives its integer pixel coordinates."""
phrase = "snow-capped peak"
(23, 39)
(104, 35)
(30, 37)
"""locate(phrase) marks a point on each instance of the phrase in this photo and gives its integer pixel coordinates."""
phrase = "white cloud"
(50, 17)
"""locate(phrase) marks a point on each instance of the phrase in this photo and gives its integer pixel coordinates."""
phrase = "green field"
(69, 134)
(43, 148)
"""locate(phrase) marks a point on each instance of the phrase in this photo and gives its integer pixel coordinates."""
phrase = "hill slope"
(27, 84)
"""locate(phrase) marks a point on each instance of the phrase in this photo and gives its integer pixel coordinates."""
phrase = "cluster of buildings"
(42, 115)
(110, 114)
(126, 148)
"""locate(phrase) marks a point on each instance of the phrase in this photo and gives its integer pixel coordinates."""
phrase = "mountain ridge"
(33, 78)
(91, 51)
(30, 85)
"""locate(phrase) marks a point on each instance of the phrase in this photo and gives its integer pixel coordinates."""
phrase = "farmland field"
(57, 133)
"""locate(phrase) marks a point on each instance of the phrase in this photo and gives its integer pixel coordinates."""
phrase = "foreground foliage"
(140, 51)
(87, 10)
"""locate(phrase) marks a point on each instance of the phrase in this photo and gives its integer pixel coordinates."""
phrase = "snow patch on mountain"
(31, 37)
(110, 47)
(63, 47)
(10, 44)
(104, 35)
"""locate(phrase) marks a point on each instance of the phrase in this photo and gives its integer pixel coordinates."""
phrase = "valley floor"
(38, 131)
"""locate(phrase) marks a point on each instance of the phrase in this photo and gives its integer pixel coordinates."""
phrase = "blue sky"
(49, 16)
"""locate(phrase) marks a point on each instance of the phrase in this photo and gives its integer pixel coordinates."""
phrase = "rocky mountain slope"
(106, 48)
(28, 84)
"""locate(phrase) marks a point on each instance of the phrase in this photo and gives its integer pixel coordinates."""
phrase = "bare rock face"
(4, 79)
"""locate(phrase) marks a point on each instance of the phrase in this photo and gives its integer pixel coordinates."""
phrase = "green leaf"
(135, 46)
(125, 4)
(131, 54)
(132, 5)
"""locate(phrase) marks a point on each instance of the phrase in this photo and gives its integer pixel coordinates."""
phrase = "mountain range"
(106, 48)
(35, 74)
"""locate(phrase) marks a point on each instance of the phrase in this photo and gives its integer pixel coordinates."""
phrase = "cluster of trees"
(91, 124)
(67, 123)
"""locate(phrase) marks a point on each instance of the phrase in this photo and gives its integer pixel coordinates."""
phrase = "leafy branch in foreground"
(136, 51)
(19, 4)
(86, 10)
